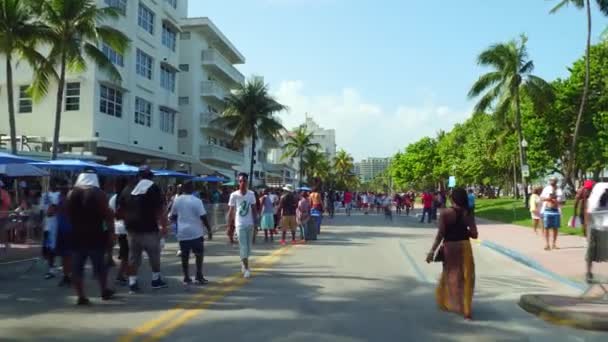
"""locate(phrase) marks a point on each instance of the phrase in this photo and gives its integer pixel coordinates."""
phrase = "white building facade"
(133, 121)
(369, 168)
(324, 137)
(207, 60)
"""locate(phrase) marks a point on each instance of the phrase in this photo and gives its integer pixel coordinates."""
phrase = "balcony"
(212, 90)
(221, 67)
(214, 154)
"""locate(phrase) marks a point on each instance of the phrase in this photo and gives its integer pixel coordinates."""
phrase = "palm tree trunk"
(60, 87)
(301, 169)
(522, 156)
(11, 104)
(251, 177)
(581, 109)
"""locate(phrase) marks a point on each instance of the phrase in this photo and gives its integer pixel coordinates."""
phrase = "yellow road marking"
(180, 315)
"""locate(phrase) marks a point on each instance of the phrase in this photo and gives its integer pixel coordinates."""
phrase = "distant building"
(324, 137)
(369, 168)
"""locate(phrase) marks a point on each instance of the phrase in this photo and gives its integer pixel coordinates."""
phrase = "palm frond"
(100, 59)
(485, 81)
(114, 38)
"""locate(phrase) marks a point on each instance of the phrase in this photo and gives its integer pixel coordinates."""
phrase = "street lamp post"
(525, 170)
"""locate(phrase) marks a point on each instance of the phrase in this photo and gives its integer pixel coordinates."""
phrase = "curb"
(535, 305)
(533, 264)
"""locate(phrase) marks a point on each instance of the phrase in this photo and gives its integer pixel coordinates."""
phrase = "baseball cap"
(588, 184)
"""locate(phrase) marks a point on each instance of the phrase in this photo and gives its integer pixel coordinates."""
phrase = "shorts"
(197, 246)
(65, 244)
(148, 242)
(289, 223)
(245, 236)
(535, 215)
(551, 219)
(79, 259)
(123, 247)
(267, 221)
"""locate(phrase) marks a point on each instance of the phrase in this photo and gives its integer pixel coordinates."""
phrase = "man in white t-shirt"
(242, 216)
(365, 202)
(189, 213)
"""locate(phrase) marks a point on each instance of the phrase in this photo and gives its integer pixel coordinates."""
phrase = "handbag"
(439, 255)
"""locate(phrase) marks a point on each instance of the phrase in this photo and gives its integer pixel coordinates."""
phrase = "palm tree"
(74, 35)
(316, 164)
(298, 144)
(580, 4)
(250, 113)
(19, 33)
(343, 167)
(503, 86)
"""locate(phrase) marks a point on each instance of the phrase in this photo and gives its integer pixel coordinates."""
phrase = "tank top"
(458, 230)
(268, 208)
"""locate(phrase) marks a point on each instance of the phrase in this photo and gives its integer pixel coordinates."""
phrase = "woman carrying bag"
(456, 226)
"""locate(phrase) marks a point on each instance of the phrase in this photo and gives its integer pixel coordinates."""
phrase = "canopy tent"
(76, 165)
(125, 168)
(7, 158)
(209, 179)
(231, 183)
(170, 173)
(22, 170)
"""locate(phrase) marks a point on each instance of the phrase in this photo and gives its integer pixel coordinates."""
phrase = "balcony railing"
(215, 153)
(221, 64)
(213, 90)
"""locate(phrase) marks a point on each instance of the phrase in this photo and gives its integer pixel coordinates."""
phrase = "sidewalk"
(567, 262)
(566, 265)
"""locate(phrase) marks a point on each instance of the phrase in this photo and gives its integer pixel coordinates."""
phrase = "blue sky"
(385, 76)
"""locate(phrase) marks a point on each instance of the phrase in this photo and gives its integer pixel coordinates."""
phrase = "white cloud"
(363, 128)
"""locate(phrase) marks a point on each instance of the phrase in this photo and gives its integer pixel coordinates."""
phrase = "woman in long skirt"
(456, 226)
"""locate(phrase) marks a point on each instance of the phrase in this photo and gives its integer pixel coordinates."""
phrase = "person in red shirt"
(427, 202)
(348, 201)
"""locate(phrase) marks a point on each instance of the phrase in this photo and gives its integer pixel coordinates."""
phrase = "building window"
(112, 55)
(184, 100)
(145, 18)
(167, 120)
(169, 36)
(184, 67)
(72, 96)
(184, 36)
(25, 100)
(144, 64)
(182, 133)
(167, 78)
(120, 5)
(173, 3)
(110, 101)
(143, 112)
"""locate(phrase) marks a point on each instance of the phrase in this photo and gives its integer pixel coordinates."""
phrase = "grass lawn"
(513, 211)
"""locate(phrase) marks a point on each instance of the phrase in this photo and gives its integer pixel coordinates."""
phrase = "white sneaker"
(247, 274)
(179, 253)
(243, 269)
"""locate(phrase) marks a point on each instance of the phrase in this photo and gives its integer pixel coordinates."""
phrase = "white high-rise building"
(369, 168)
(134, 121)
(324, 137)
(207, 60)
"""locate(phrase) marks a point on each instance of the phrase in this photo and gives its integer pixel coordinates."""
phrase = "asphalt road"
(364, 280)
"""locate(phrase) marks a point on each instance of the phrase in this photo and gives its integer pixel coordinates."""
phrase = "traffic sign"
(525, 170)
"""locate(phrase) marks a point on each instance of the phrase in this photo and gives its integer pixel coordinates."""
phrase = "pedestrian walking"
(457, 283)
(348, 202)
(597, 219)
(427, 206)
(50, 202)
(242, 216)
(287, 210)
(92, 223)
(121, 232)
(267, 221)
(580, 205)
(535, 209)
(553, 198)
(317, 210)
(303, 217)
(65, 240)
(189, 213)
(471, 198)
(146, 222)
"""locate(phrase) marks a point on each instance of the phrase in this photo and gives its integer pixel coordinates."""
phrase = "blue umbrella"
(303, 188)
(170, 173)
(7, 158)
(210, 179)
(125, 168)
(77, 165)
